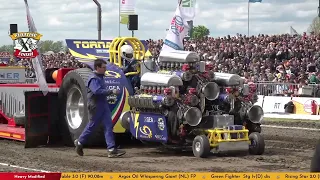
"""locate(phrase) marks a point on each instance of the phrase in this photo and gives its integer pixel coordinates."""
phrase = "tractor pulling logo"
(26, 44)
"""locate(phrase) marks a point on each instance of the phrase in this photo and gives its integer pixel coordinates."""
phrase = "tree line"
(47, 45)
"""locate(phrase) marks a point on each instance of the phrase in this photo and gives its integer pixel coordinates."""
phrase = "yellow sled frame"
(215, 136)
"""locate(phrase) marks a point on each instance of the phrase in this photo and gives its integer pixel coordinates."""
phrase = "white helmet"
(126, 52)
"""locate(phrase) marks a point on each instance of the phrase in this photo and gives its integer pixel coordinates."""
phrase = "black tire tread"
(84, 74)
(205, 146)
(261, 143)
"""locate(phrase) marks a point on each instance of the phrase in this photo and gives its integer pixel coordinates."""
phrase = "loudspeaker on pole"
(13, 28)
(133, 22)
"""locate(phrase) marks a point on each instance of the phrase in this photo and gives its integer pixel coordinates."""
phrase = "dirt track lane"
(287, 150)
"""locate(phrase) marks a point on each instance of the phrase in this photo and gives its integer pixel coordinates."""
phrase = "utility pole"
(319, 9)
(99, 17)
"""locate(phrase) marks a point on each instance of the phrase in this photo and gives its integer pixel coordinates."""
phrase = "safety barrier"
(302, 105)
(284, 89)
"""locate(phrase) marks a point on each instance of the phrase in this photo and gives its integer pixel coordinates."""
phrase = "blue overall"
(99, 111)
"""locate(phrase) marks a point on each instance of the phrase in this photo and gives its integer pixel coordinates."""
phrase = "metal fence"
(266, 88)
(286, 89)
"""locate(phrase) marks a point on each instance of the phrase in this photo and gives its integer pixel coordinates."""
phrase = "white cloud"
(53, 21)
(68, 19)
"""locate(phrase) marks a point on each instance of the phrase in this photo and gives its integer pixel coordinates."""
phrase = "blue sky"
(76, 19)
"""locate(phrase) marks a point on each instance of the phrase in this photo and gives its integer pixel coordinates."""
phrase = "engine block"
(190, 94)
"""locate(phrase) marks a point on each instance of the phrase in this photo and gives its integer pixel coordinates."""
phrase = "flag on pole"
(127, 7)
(179, 27)
(255, 1)
(188, 9)
(36, 62)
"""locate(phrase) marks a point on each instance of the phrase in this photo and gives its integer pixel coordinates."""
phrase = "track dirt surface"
(286, 150)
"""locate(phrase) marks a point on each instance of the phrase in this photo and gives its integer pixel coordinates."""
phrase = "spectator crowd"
(57, 60)
(264, 58)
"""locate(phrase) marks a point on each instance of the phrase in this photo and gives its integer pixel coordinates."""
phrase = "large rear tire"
(73, 107)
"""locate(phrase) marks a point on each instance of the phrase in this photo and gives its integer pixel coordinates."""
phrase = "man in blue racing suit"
(130, 65)
(99, 111)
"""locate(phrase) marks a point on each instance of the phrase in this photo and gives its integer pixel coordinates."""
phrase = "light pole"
(319, 9)
(98, 18)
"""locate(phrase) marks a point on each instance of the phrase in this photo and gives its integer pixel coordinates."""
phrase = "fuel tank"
(156, 79)
(226, 79)
(179, 57)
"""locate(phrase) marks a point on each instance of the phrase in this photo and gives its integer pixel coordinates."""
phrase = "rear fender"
(41, 125)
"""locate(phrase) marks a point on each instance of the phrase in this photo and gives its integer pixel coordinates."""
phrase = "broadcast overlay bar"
(158, 176)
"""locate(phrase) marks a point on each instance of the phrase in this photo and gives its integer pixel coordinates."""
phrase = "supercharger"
(160, 93)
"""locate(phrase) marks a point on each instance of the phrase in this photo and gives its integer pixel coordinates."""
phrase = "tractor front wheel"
(201, 146)
(257, 145)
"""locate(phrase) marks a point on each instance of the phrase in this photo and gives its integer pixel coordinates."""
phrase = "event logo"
(177, 25)
(26, 44)
(112, 74)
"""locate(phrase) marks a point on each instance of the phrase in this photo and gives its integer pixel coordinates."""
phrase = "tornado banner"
(91, 49)
(159, 176)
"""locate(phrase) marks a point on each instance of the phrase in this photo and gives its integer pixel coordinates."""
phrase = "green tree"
(6, 48)
(199, 32)
(49, 45)
(315, 26)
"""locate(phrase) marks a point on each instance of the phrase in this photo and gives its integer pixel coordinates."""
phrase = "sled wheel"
(201, 146)
(257, 145)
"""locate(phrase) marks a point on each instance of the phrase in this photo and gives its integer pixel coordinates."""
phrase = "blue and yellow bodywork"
(149, 127)
(86, 51)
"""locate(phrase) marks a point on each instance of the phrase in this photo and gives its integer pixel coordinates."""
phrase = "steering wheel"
(131, 73)
(132, 63)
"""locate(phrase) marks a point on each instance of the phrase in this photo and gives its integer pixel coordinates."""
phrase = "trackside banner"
(159, 176)
(91, 49)
(5, 57)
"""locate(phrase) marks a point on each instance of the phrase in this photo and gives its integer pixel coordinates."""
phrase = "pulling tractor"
(181, 102)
